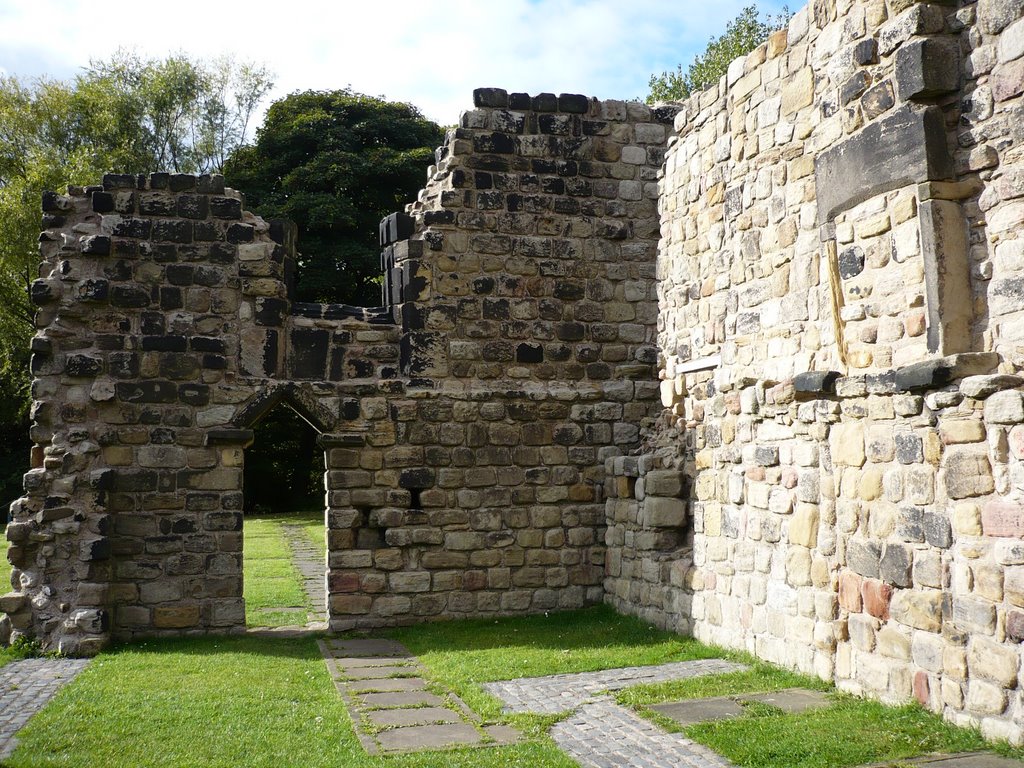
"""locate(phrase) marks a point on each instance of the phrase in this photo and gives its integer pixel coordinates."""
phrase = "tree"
(336, 163)
(742, 35)
(128, 115)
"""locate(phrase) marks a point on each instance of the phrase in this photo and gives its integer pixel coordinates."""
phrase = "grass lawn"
(312, 524)
(272, 583)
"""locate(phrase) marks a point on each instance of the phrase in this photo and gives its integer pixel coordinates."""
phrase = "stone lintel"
(942, 371)
(230, 437)
(907, 147)
(341, 440)
(816, 382)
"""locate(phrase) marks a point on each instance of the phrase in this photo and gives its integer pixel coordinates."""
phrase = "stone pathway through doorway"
(25, 688)
(310, 562)
(391, 706)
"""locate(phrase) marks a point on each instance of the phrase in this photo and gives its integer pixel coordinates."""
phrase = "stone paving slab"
(417, 737)
(563, 693)
(700, 710)
(963, 760)
(25, 688)
(380, 682)
(312, 567)
(791, 700)
(397, 718)
(601, 734)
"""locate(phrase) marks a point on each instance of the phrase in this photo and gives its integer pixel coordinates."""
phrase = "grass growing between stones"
(312, 524)
(272, 582)
(222, 703)
(463, 654)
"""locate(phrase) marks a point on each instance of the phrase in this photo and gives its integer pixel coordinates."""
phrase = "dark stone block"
(102, 202)
(270, 353)
(865, 52)
(41, 346)
(863, 556)
(432, 218)
(123, 365)
(153, 324)
(227, 436)
(225, 208)
(94, 289)
(193, 206)
(851, 262)
(83, 366)
(271, 311)
(173, 231)
(529, 353)
(180, 182)
(156, 206)
(927, 67)
(883, 383)
(52, 202)
(129, 296)
(119, 181)
(42, 292)
(96, 245)
(416, 478)
(910, 524)
(178, 366)
(766, 455)
(664, 114)
(350, 409)
(573, 103)
(179, 274)
(214, 362)
(495, 143)
(194, 394)
(135, 228)
(519, 101)
(147, 391)
(496, 309)
(937, 531)
(928, 374)
(490, 97)
(95, 550)
(545, 102)
(568, 290)
(240, 233)
(556, 125)
(907, 147)
(159, 180)
(206, 344)
(894, 566)
(164, 343)
(570, 331)
(309, 348)
(854, 86)
(498, 352)
(909, 448)
(134, 480)
(396, 227)
(171, 298)
(210, 184)
(52, 221)
(209, 277)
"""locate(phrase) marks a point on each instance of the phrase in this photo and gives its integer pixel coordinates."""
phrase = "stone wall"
(839, 277)
(464, 425)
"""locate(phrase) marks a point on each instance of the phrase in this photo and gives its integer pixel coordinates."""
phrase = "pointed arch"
(299, 399)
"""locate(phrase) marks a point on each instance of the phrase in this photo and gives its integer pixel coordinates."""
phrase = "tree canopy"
(336, 163)
(742, 35)
(126, 114)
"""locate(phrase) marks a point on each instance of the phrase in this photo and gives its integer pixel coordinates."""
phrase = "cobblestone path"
(310, 562)
(25, 687)
(565, 693)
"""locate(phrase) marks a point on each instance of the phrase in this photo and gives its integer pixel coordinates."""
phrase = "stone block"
(877, 597)
(850, 585)
(661, 512)
(175, 616)
(918, 608)
(906, 147)
(671, 483)
(847, 444)
(948, 298)
(927, 67)
(967, 473)
(798, 91)
(803, 525)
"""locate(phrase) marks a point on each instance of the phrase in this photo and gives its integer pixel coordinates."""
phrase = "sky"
(430, 54)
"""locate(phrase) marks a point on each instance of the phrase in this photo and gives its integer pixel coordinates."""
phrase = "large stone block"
(904, 148)
(662, 512)
(927, 67)
(918, 608)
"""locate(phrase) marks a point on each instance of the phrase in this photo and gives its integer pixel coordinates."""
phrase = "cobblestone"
(25, 688)
(604, 735)
(564, 693)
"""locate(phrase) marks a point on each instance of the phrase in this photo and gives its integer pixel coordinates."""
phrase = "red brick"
(876, 595)
(849, 591)
(999, 518)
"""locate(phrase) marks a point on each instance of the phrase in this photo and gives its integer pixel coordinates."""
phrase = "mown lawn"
(258, 701)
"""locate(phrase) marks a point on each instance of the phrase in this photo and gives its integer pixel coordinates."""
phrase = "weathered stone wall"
(840, 324)
(465, 425)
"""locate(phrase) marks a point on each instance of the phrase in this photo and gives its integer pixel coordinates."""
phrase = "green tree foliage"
(127, 114)
(336, 163)
(742, 35)
(284, 467)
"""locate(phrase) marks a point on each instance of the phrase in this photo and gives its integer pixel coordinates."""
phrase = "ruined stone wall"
(840, 324)
(464, 425)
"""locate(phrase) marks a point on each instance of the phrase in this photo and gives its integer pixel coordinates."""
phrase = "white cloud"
(431, 54)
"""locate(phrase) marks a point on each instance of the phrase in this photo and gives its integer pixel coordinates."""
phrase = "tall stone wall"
(839, 277)
(464, 425)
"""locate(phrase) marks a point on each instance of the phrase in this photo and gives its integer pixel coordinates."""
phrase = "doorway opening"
(284, 539)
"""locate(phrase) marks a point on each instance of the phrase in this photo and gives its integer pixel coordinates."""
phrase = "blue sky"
(431, 54)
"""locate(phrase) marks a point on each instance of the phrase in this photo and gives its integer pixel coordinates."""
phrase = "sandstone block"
(1004, 519)
(967, 473)
(798, 91)
(847, 444)
(661, 512)
(803, 526)
(1006, 407)
(175, 616)
(850, 585)
(993, 661)
(877, 597)
(918, 608)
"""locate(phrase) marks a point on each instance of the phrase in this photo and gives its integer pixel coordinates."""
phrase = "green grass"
(312, 524)
(222, 702)
(272, 582)
(5, 567)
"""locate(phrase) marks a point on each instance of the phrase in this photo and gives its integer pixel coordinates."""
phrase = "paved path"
(565, 693)
(25, 687)
(391, 706)
(601, 734)
(310, 562)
